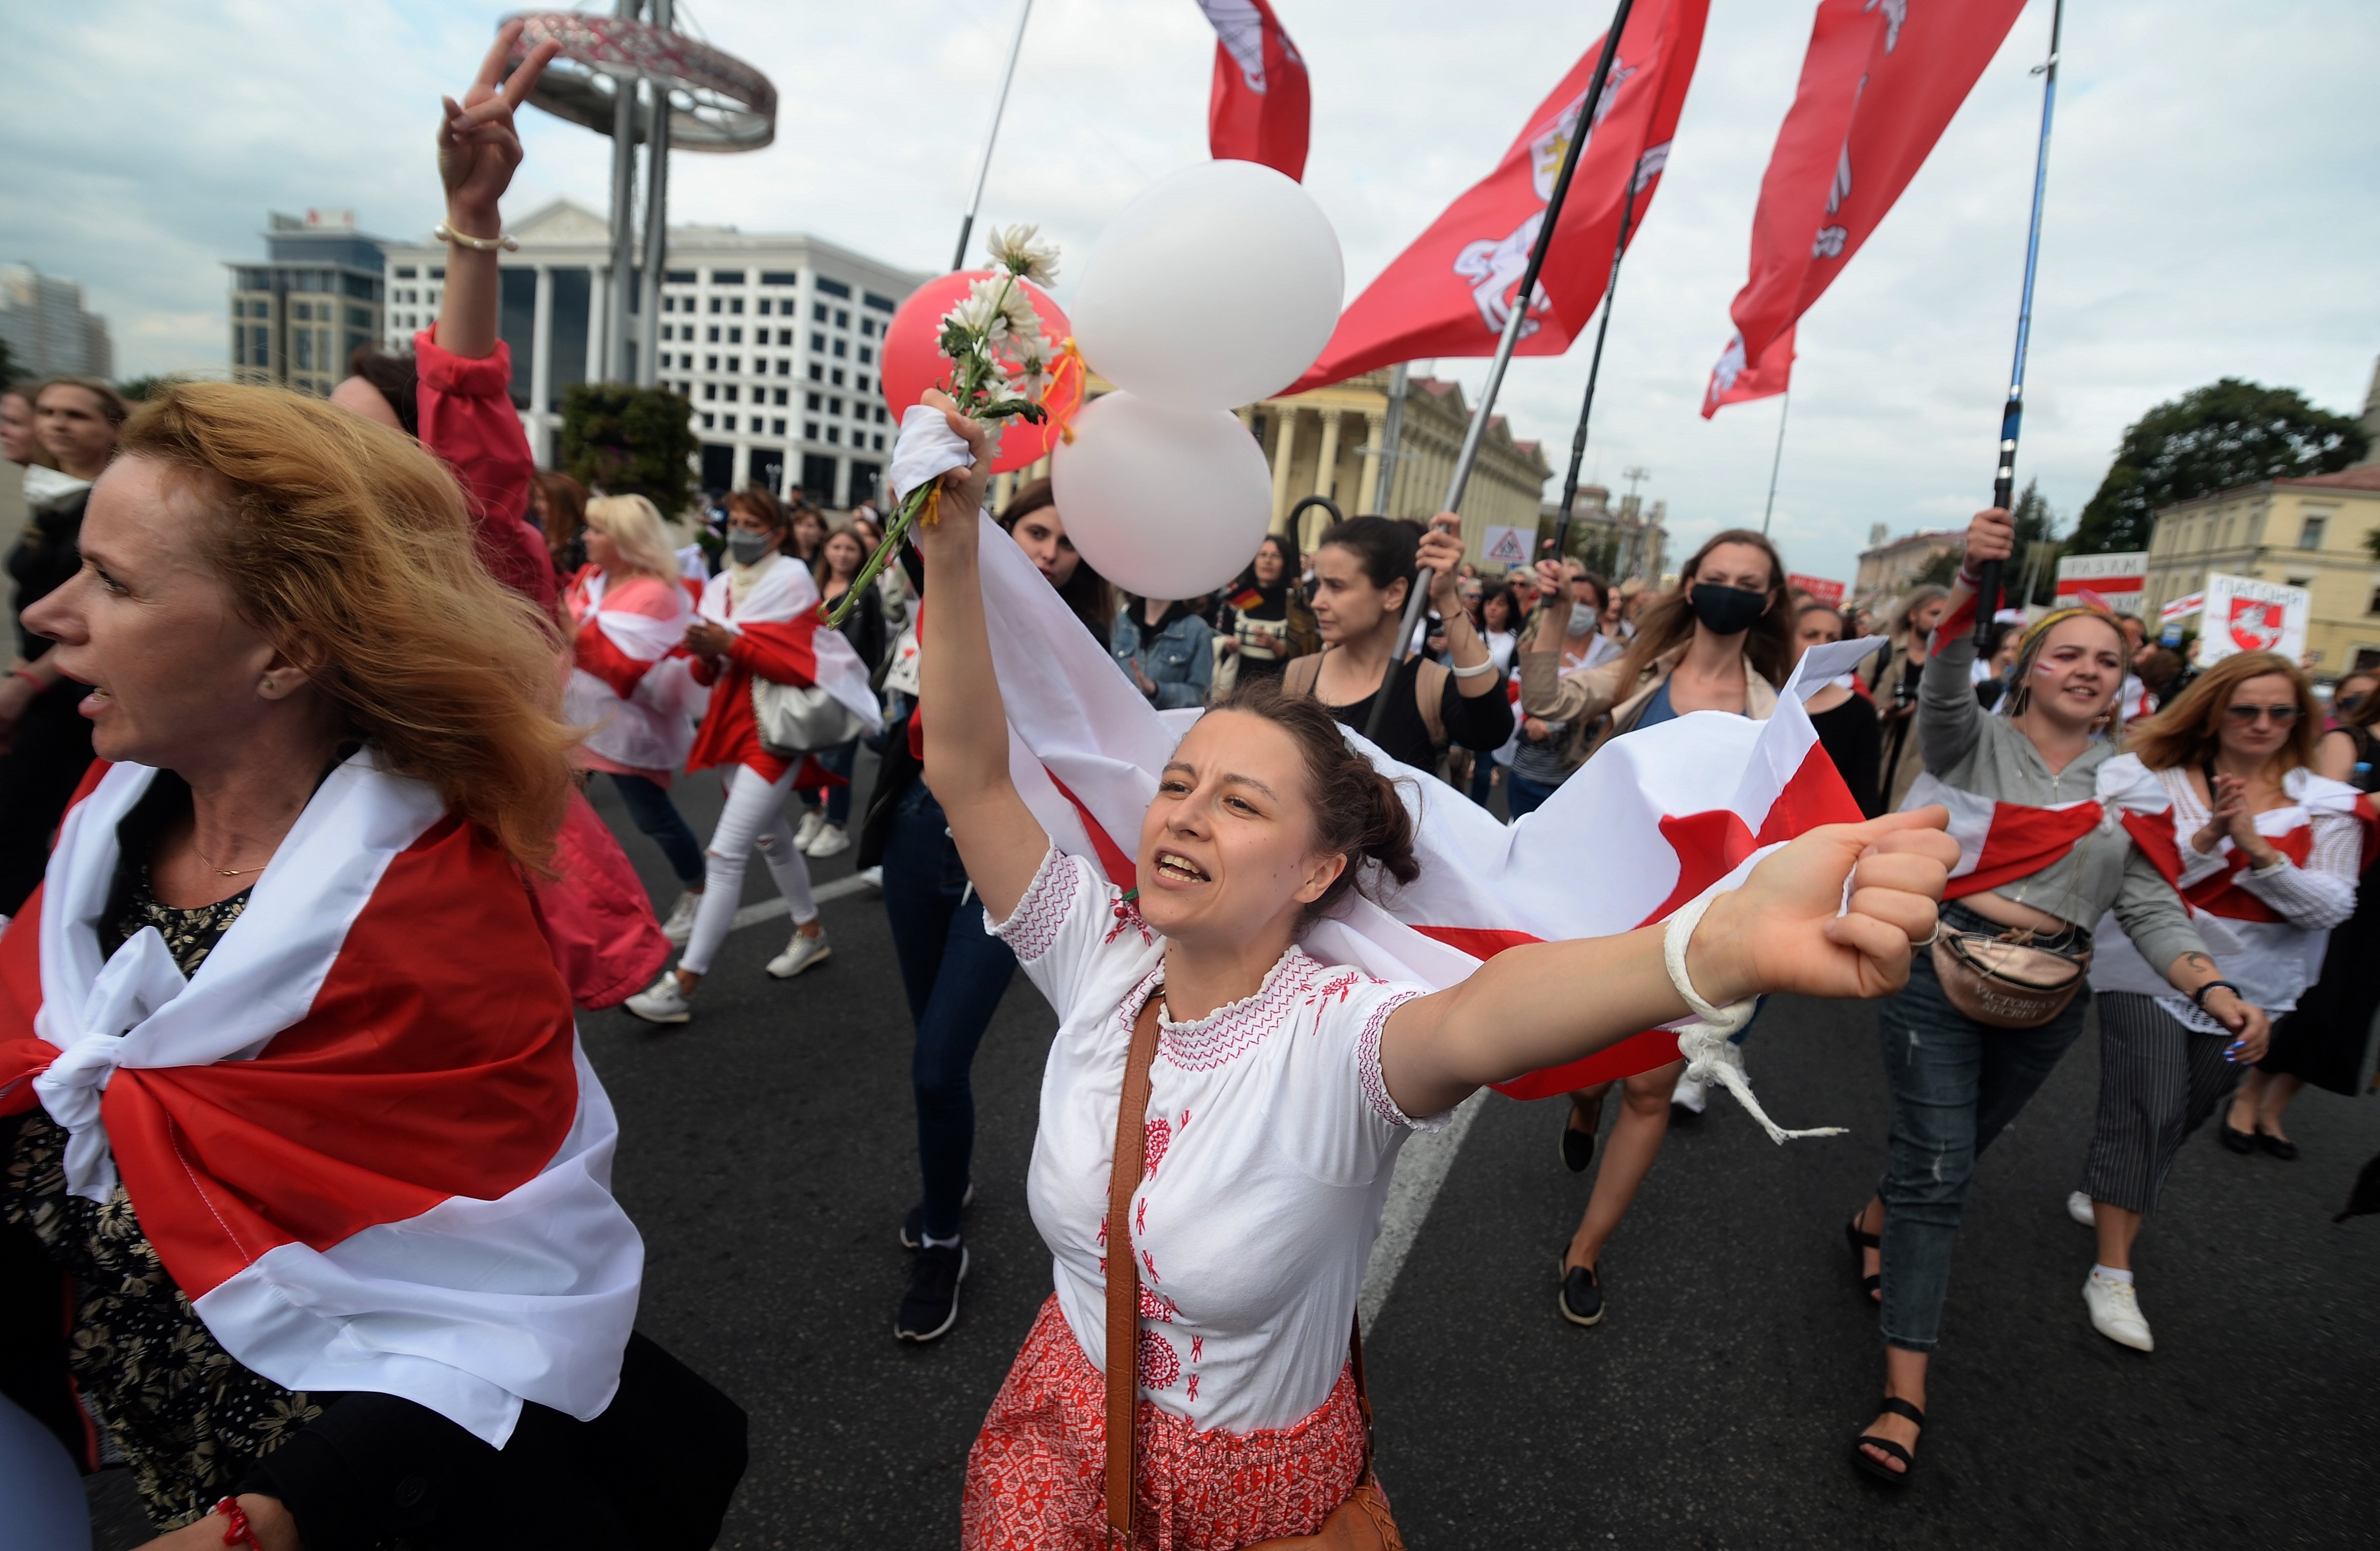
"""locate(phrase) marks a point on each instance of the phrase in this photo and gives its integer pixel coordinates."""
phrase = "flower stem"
(911, 504)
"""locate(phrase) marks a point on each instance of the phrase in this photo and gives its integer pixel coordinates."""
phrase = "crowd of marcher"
(345, 669)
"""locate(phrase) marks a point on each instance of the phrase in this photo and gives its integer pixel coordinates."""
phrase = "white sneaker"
(2079, 1207)
(680, 924)
(2116, 1312)
(873, 878)
(830, 840)
(799, 954)
(662, 1001)
(807, 831)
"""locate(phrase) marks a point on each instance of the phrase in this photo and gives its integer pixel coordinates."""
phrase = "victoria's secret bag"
(1362, 1522)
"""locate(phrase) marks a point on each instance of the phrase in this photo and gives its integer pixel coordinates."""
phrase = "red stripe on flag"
(2022, 842)
(1121, 869)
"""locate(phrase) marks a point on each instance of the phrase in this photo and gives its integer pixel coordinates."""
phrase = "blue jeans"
(1482, 772)
(1524, 795)
(955, 972)
(1956, 1084)
(839, 759)
(648, 806)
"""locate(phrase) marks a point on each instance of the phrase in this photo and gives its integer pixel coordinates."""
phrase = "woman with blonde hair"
(629, 682)
(2269, 854)
(296, 887)
(1963, 1053)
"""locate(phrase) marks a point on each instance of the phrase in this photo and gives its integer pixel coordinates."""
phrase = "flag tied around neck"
(1652, 821)
(1451, 293)
(1261, 109)
(1879, 86)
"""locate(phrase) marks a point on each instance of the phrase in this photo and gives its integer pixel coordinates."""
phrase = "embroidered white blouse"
(1269, 1141)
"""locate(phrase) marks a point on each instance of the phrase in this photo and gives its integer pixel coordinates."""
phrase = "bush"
(623, 441)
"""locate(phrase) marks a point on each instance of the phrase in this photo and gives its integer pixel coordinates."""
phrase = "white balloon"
(1163, 503)
(1214, 287)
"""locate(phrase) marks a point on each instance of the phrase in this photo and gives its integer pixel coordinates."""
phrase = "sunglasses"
(2248, 716)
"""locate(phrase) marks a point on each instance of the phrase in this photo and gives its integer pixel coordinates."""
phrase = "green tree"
(623, 440)
(1937, 571)
(10, 372)
(2037, 548)
(2211, 438)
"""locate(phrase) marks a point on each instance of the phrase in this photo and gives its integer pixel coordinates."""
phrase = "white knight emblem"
(1896, 13)
(1494, 268)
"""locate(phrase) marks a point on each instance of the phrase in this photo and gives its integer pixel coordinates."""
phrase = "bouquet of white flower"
(1002, 366)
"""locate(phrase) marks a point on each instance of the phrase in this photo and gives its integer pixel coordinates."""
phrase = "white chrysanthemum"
(1030, 378)
(1015, 249)
(1024, 323)
(980, 313)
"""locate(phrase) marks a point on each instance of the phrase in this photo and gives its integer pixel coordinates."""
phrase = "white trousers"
(754, 817)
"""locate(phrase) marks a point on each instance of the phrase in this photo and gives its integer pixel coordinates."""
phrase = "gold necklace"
(226, 872)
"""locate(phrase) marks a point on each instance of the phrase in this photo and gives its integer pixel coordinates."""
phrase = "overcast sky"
(2214, 205)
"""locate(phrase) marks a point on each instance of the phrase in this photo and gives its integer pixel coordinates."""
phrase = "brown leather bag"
(1362, 1522)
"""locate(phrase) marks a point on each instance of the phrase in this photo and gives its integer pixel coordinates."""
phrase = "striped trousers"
(2158, 1080)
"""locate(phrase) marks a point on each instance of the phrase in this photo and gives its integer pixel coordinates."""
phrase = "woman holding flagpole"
(1985, 1017)
(1259, 1097)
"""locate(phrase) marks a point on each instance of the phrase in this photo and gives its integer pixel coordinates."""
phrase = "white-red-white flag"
(1649, 824)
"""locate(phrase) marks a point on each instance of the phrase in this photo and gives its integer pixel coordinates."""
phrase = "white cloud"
(2210, 201)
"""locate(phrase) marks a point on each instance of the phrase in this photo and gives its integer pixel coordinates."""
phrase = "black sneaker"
(1578, 1147)
(931, 1305)
(913, 1227)
(1581, 1299)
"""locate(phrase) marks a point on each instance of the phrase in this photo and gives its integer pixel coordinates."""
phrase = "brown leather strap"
(1123, 1274)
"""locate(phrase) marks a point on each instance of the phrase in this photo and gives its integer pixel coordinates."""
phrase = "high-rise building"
(48, 332)
(296, 316)
(773, 340)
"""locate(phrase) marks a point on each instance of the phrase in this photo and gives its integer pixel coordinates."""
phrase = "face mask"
(1581, 618)
(747, 548)
(1726, 611)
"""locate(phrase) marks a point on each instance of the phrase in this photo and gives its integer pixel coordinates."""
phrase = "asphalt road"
(768, 1154)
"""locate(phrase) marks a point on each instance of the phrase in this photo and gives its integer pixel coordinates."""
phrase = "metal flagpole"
(624, 220)
(1776, 463)
(657, 142)
(1595, 368)
(1511, 337)
(1987, 577)
(991, 137)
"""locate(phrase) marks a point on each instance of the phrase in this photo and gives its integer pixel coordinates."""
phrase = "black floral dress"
(189, 1419)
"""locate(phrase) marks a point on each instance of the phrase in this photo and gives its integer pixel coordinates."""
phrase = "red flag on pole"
(1879, 86)
(1451, 292)
(1261, 108)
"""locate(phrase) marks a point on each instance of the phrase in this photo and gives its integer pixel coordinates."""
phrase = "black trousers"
(2158, 1080)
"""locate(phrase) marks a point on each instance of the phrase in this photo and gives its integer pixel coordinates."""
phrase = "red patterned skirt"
(1036, 1476)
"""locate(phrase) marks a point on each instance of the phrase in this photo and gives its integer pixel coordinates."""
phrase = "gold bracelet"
(502, 243)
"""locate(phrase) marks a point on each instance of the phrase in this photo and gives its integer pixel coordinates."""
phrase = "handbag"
(798, 718)
(1362, 1522)
(2003, 981)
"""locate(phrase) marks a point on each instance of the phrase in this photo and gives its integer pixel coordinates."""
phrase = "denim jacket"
(1180, 658)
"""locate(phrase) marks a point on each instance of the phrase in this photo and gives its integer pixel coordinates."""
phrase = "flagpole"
(1511, 337)
(1776, 463)
(1595, 368)
(1988, 575)
(991, 137)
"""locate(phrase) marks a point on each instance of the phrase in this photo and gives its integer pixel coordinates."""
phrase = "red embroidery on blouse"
(1127, 918)
(1215, 1040)
(1198, 1348)
(1033, 926)
(1156, 1137)
(1367, 1060)
(1154, 1307)
(1140, 1217)
(1194, 1386)
(1159, 1365)
(1151, 1265)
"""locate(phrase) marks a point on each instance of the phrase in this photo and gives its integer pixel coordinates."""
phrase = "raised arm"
(958, 695)
(1547, 1003)
(1950, 718)
(478, 153)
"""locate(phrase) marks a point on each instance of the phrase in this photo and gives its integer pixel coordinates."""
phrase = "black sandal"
(1878, 1468)
(1870, 1286)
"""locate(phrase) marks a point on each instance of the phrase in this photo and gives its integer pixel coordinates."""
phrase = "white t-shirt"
(1269, 1141)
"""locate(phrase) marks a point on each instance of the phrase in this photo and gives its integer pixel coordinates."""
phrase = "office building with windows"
(47, 332)
(773, 340)
(299, 316)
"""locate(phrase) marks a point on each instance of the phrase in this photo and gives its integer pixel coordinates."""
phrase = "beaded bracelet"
(237, 1531)
(503, 242)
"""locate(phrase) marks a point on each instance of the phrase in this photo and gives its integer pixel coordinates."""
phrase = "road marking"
(1421, 1169)
(768, 910)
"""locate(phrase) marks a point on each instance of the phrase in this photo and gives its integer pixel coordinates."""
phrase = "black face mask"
(1726, 611)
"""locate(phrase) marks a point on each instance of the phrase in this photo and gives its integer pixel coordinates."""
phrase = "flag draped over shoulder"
(1879, 86)
(1650, 822)
(362, 1136)
(1451, 291)
(1261, 109)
